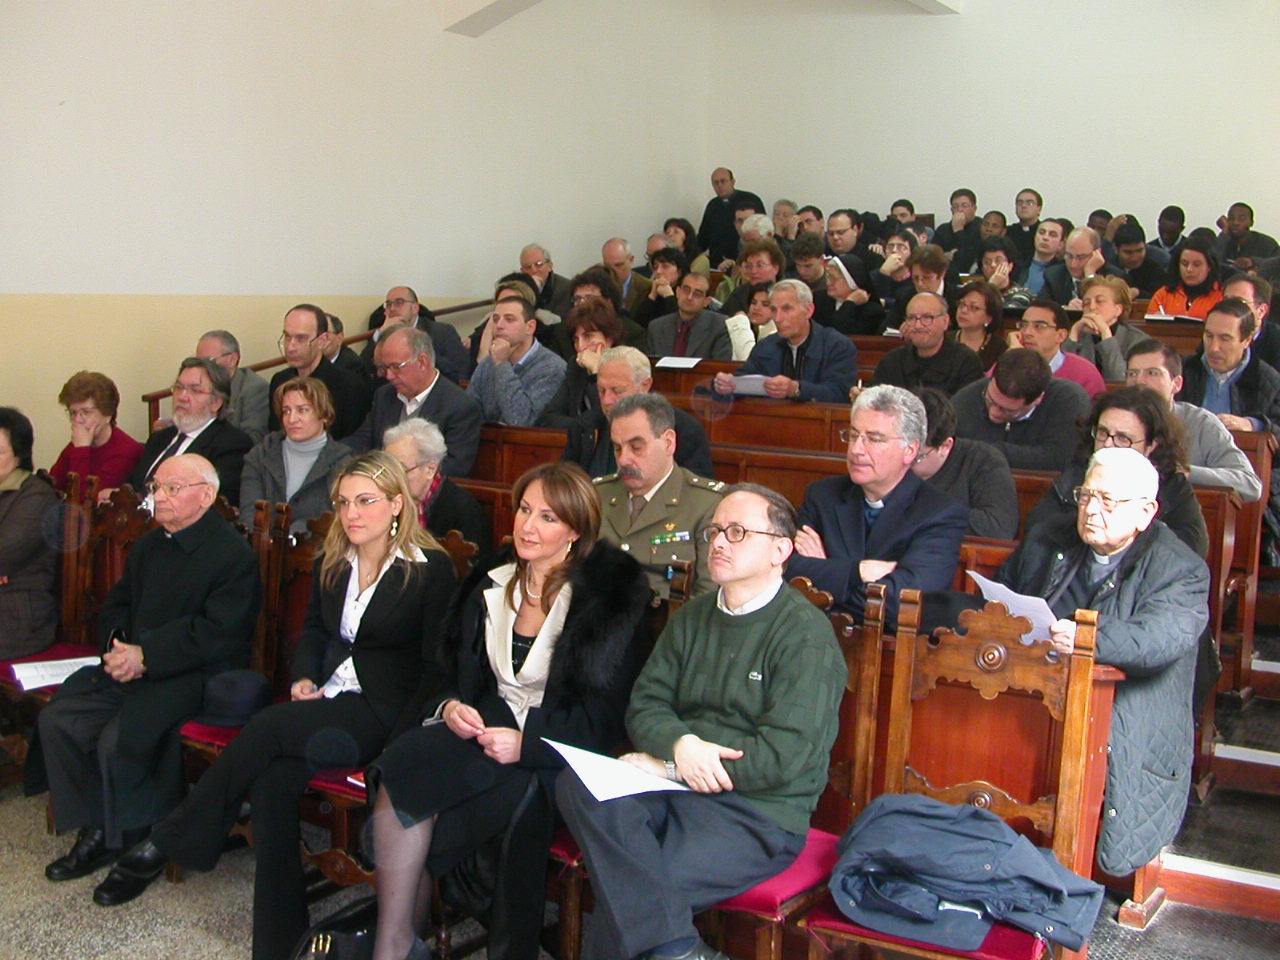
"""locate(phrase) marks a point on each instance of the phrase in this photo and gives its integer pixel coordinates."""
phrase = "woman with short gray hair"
(442, 505)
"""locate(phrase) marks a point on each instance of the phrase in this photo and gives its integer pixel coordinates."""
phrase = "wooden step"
(1221, 887)
(1265, 678)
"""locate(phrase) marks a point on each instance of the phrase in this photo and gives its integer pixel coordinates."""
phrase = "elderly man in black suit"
(415, 388)
(201, 393)
(107, 745)
(622, 372)
(303, 342)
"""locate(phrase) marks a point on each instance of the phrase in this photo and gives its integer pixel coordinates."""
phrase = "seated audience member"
(718, 232)
(979, 312)
(1239, 244)
(617, 258)
(753, 748)
(1023, 410)
(415, 388)
(293, 465)
(1227, 378)
(693, 330)
(652, 507)
(761, 261)
(903, 211)
(624, 371)
(928, 275)
(1169, 226)
(1043, 327)
(1212, 454)
(892, 280)
(1049, 239)
(549, 332)
(808, 256)
(1257, 293)
(442, 505)
(1137, 259)
(545, 647)
(1192, 288)
(1152, 596)
(846, 304)
(809, 219)
(250, 404)
(594, 328)
(554, 294)
(305, 336)
(748, 328)
(29, 509)
(929, 358)
(753, 228)
(962, 234)
(803, 360)
(967, 470)
(401, 306)
(1082, 260)
(98, 447)
(683, 237)
(1027, 205)
(668, 266)
(784, 219)
(107, 743)
(199, 396)
(993, 225)
(338, 353)
(598, 282)
(656, 242)
(881, 522)
(367, 656)
(998, 263)
(844, 229)
(1133, 418)
(1103, 335)
(517, 377)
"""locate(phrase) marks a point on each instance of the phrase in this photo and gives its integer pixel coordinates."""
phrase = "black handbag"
(345, 935)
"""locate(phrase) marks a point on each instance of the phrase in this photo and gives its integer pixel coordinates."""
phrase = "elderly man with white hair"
(1151, 592)
(880, 523)
(107, 746)
(442, 505)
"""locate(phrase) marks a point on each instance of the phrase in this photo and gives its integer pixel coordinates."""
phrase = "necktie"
(871, 513)
(682, 338)
(636, 505)
(169, 451)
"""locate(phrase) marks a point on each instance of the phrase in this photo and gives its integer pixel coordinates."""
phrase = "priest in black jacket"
(107, 746)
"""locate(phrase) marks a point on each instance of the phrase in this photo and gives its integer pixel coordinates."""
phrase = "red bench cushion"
(811, 869)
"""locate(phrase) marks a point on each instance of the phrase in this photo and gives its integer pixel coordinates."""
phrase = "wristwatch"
(671, 769)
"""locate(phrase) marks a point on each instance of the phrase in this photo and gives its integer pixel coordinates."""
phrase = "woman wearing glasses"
(365, 663)
(546, 646)
(293, 464)
(98, 447)
(1136, 418)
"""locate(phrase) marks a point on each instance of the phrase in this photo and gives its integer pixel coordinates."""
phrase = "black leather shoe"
(130, 876)
(699, 951)
(90, 853)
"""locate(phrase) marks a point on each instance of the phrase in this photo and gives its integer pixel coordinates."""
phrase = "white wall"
(1123, 104)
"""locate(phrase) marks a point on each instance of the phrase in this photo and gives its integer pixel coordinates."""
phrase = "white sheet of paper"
(677, 363)
(48, 673)
(1033, 608)
(607, 778)
(750, 385)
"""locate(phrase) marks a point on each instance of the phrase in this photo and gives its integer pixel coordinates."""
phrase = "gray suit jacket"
(709, 337)
(250, 404)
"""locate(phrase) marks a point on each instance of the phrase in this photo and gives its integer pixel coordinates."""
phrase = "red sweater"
(111, 463)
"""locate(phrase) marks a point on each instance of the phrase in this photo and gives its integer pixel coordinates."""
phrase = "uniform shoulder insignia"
(605, 479)
(716, 485)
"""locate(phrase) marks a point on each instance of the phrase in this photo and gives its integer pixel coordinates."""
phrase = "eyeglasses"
(422, 465)
(381, 368)
(1107, 503)
(1009, 412)
(82, 414)
(851, 436)
(1103, 435)
(1035, 325)
(180, 387)
(536, 265)
(923, 317)
(171, 490)
(399, 302)
(733, 532)
(689, 291)
(1079, 256)
(362, 502)
(297, 339)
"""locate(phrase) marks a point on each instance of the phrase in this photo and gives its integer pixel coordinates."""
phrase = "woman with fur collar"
(547, 646)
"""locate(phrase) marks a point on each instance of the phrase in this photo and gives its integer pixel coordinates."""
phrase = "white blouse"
(525, 689)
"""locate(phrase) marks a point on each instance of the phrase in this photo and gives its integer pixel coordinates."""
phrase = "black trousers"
(656, 859)
(271, 761)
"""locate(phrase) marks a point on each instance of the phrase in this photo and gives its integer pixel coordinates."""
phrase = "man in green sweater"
(739, 702)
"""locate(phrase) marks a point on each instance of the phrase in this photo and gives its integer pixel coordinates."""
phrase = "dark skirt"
(431, 771)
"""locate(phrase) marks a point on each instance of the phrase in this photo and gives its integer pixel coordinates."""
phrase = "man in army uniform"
(653, 508)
